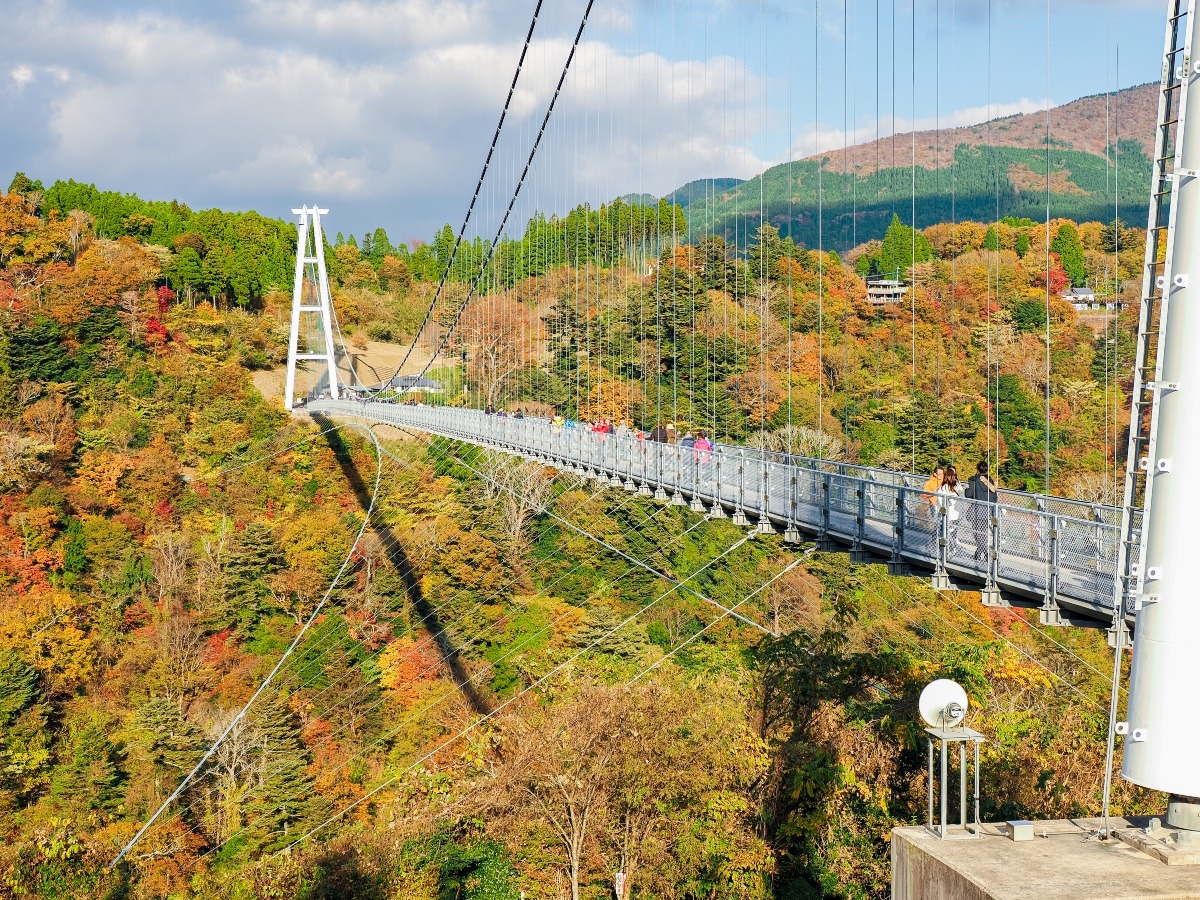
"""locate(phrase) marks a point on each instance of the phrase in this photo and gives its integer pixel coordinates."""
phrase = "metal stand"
(941, 827)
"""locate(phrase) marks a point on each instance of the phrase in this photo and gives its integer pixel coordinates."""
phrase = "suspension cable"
(512, 88)
(513, 200)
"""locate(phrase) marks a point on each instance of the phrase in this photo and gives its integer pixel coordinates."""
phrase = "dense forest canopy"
(763, 340)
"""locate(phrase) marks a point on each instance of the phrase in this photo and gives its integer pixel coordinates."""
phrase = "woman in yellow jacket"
(933, 485)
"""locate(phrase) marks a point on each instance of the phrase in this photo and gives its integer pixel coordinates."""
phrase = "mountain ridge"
(1081, 124)
(1099, 167)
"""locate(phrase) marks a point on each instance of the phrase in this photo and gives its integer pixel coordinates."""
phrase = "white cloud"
(22, 75)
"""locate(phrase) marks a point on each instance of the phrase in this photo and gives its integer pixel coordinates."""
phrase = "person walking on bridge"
(984, 492)
(952, 490)
(658, 434)
(933, 485)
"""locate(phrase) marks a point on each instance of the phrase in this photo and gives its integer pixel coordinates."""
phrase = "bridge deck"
(1057, 553)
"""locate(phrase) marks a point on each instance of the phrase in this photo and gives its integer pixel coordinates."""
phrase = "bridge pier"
(896, 565)
(717, 511)
(940, 581)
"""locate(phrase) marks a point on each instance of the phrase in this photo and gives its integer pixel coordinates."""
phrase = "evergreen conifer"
(1069, 248)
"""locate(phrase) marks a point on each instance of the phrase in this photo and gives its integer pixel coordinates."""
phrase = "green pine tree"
(896, 253)
(380, 247)
(74, 552)
(255, 559)
(628, 642)
(18, 687)
(284, 805)
(21, 184)
(91, 774)
(171, 743)
(24, 731)
(1069, 248)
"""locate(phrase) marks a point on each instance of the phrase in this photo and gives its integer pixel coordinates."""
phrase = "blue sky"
(381, 110)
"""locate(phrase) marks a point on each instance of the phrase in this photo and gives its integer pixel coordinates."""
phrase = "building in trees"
(884, 291)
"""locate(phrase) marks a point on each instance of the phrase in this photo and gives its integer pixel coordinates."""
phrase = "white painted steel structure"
(1060, 554)
(310, 251)
(1162, 749)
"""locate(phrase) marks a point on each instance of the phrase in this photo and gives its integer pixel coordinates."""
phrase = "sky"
(382, 111)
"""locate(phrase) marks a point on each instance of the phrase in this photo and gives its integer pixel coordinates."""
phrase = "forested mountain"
(1100, 150)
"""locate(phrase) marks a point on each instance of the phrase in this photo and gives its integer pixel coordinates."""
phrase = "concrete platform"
(1060, 862)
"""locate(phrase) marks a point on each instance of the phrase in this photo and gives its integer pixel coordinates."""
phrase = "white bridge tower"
(1162, 745)
(310, 300)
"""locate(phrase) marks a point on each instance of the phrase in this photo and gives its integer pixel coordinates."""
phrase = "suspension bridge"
(1076, 562)
(1055, 553)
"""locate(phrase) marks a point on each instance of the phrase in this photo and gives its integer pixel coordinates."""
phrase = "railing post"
(1050, 613)
(990, 595)
(824, 541)
(630, 441)
(858, 553)
(941, 578)
(764, 499)
(659, 494)
(1097, 562)
(717, 511)
(739, 514)
(697, 503)
(791, 534)
(897, 565)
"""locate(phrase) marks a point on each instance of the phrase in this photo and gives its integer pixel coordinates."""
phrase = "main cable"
(512, 88)
(513, 200)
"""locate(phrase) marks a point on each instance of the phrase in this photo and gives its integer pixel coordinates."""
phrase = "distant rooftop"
(414, 383)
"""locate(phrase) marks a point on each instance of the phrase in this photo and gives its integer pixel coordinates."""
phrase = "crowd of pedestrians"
(698, 442)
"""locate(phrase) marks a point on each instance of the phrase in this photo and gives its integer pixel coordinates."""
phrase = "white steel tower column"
(309, 235)
(1162, 745)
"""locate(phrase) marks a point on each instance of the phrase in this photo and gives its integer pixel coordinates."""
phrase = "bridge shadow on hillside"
(425, 611)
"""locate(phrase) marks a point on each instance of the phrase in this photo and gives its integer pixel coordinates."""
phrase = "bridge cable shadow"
(425, 611)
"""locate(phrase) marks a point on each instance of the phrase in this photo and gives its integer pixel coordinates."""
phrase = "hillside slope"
(1100, 145)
